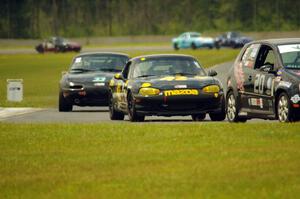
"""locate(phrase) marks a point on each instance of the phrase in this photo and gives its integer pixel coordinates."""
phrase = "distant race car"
(265, 82)
(57, 44)
(165, 85)
(86, 82)
(192, 40)
(231, 39)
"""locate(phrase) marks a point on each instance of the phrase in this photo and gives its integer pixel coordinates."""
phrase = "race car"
(86, 82)
(192, 40)
(57, 44)
(231, 39)
(264, 82)
(165, 85)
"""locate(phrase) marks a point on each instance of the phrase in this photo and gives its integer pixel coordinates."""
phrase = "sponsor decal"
(256, 102)
(239, 76)
(180, 86)
(295, 99)
(181, 92)
(78, 60)
(285, 84)
(99, 84)
(99, 79)
(143, 59)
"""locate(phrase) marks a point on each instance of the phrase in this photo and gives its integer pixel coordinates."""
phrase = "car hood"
(178, 82)
(292, 74)
(89, 77)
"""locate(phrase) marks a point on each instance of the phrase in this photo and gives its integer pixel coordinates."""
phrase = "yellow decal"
(145, 85)
(143, 59)
(181, 92)
(168, 78)
(177, 78)
(180, 78)
(112, 82)
(126, 83)
(119, 88)
(200, 77)
(216, 95)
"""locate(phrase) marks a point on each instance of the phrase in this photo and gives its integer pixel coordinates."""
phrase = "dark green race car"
(165, 85)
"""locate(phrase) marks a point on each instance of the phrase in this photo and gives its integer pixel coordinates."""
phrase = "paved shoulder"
(12, 112)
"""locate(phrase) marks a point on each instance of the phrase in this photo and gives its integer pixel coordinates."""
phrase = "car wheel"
(63, 104)
(193, 46)
(232, 109)
(284, 109)
(113, 113)
(175, 46)
(198, 117)
(132, 114)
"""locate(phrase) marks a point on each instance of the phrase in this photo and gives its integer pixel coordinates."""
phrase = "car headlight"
(211, 89)
(149, 91)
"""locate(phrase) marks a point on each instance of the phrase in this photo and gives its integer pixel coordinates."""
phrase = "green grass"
(191, 160)
(41, 73)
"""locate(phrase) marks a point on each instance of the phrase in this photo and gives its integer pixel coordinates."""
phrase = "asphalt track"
(94, 114)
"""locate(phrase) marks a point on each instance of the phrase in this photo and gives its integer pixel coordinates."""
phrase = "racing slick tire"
(198, 117)
(175, 46)
(284, 111)
(63, 104)
(232, 109)
(132, 114)
(193, 46)
(113, 113)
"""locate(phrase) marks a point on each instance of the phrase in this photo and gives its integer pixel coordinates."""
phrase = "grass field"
(41, 73)
(114, 160)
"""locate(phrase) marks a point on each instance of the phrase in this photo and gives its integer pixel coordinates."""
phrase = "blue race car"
(192, 40)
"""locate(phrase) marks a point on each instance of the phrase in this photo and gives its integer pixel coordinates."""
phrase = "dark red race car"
(57, 44)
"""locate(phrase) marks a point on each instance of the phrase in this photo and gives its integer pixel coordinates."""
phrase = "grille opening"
(76, 87)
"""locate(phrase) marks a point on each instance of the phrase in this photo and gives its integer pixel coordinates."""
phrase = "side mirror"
(267, 68)
(212, 73)
(119, 76)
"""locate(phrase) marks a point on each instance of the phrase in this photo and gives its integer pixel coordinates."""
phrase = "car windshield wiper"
(182, 73)
(110, 69)
(81, 69)
(145, 76)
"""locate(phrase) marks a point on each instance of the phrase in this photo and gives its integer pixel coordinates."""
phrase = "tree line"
(85, 18)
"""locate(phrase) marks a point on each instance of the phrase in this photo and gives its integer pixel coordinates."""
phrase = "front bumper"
(88, 96)
(179, 105)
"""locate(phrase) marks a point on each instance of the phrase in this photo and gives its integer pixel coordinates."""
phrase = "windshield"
(290, 55)
(108, 63)
(167, 66)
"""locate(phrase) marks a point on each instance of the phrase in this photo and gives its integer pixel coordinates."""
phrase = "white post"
(15, 90)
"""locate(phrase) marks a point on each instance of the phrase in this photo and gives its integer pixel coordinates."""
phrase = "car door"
(185, 41)
(259, 90)
(122, 87)
(245, 73)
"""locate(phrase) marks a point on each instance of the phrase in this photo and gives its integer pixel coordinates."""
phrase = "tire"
(232, 109)
(284, 111)
(193, 46)
(63, 104)
(113, 113)
(175, 46)
(132, 114)
(198, 117)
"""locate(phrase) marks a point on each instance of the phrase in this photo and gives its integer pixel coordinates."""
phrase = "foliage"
(77, 18)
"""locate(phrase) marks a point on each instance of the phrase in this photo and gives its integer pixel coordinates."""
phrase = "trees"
(77, 18)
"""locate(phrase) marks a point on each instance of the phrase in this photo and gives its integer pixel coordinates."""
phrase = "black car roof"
(162, 55)
(103, 53)
(279, 41)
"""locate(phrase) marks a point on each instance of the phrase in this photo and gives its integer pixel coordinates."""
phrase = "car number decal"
(181, 92)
